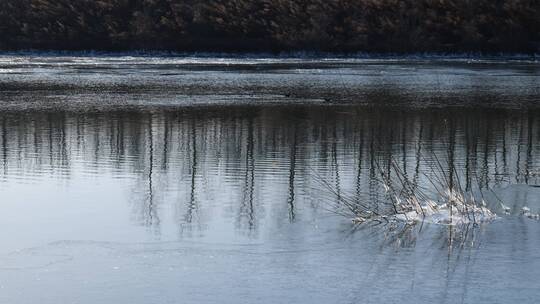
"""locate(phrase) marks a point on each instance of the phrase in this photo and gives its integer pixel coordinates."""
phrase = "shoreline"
(476, 56)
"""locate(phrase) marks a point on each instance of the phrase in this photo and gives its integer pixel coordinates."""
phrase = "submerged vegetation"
(442, 201)
(437, 197)
(272, 25)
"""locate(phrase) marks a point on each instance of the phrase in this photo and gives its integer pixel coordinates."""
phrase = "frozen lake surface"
(139, 179)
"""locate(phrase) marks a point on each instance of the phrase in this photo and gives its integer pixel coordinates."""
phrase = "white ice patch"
(457, 210)
(443, 215)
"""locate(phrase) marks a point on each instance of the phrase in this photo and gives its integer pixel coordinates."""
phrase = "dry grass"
(440, 199)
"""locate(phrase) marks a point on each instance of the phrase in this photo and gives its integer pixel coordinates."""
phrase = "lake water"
(204, 179)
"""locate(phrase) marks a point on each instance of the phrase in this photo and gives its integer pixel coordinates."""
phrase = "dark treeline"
(272, 25)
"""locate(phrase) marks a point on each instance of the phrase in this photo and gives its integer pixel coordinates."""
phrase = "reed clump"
(440, 198)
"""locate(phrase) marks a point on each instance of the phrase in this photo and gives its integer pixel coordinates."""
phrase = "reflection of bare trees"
(335, 163)
(4, 147)
(292, 172)
(246, 213)
(201, 155)
(192, 205)
(152, 213)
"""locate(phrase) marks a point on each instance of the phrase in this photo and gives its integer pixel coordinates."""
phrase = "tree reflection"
(246, 213)
(192, 205)
(208, 157)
